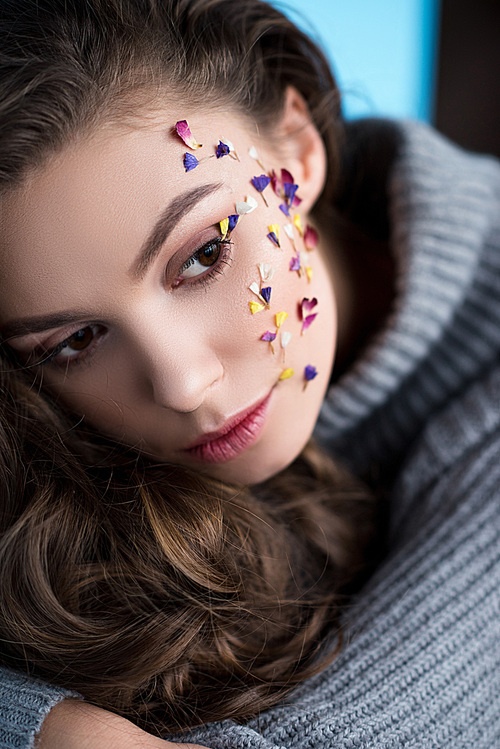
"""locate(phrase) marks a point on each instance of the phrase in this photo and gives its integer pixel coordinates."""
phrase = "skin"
(168, 361)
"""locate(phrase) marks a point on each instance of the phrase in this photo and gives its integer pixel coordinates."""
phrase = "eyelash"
(204, 279)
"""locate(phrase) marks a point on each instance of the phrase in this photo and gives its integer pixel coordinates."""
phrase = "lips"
(236, 436)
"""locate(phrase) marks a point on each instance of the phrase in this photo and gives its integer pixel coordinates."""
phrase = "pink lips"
(235, 437)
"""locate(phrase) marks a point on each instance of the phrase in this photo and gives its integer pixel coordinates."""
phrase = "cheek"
(247, 318)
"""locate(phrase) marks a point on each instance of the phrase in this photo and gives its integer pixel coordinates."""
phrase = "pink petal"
(310, 238)
(307, 305)
(183, 131)
(309, 319)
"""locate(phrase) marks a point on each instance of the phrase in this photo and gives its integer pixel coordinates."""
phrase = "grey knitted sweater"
(421, 666)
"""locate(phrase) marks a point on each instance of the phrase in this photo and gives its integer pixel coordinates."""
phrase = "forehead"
(99, 197)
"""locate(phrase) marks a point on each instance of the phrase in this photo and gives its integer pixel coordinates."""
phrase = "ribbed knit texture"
(24, 703)
(421, 665)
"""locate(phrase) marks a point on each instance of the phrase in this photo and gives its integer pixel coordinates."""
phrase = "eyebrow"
(169, 217)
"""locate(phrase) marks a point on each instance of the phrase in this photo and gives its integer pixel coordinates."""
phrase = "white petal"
(289, 230)
(254, 287)
(266, 271)
(248, 206)
(285, 338)
(253, 153)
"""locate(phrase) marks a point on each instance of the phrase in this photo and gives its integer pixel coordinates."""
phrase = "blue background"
(383, 52)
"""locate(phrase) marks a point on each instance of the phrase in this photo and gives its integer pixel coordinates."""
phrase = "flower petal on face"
(288, 230)
(286, 374)
(190, 162)
(252, 152)
(309, 273)
(261, 182)
(276, 183)
(275, 229)
(268, 336)
(290, 190)
(224, 227)
(222, 150)
(266, 272)
(266, 294)
(280, 318)
(284, 209)
(274, 239)
(307, 305)
(310, 238)
(254, 288)
(256, 307)
(286, 177)
(307, 321)
(298, 224)
(247, 206)
(228, 144)
(285, 338)
(233, 220)
(295, 263)
(183, 131)
(310, 372)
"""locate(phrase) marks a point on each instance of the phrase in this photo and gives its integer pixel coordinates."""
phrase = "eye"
(74, 349)
(203, 259)
(79, 341)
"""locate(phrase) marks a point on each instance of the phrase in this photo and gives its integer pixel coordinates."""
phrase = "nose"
(181, 367)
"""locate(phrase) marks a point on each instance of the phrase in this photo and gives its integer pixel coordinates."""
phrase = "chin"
(251, 470)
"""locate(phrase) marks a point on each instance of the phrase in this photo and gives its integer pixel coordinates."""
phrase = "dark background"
(467, 100)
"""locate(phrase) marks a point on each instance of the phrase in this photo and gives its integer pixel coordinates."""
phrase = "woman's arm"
(24, 703)
(34, 714)
(73, 724)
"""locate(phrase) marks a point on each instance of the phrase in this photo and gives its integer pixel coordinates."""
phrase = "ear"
(304, 150)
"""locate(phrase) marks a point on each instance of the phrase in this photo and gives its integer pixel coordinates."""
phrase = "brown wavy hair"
(169, 598)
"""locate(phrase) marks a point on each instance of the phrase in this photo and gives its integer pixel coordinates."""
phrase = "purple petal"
(308, 321)
(260, 183)
(284, 208)
(222, 150)
(233, 220)
(290, 190)
(274, 239)
(268, 336)
(307, 305)
(266, 294)
(295, 263)
(190, 162)
(310, 372)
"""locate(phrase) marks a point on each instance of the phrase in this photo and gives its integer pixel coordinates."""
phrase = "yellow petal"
(280, 318)
(286, 374)
(224, 227)
(255, 307)
(298, 224)
(275, 228)
(309, 273)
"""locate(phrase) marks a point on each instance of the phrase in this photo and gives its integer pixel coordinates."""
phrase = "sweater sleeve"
(24, 704)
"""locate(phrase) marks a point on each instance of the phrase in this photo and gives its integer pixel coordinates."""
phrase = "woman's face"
(118, 289)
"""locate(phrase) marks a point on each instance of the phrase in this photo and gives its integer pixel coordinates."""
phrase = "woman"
(170, 320)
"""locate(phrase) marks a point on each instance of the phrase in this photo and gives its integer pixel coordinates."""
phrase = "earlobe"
(305, 151)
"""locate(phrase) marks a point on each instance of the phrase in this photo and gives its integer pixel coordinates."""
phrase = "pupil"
(81, 339)
(209, 255)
